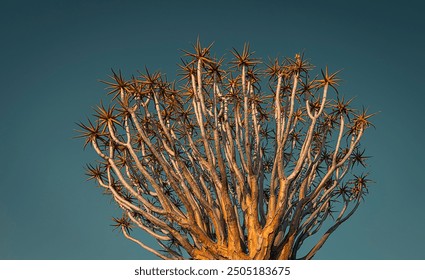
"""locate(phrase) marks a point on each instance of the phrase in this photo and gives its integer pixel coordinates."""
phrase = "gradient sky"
(53, 53)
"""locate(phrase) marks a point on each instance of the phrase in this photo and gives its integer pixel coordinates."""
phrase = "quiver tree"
(230, 162)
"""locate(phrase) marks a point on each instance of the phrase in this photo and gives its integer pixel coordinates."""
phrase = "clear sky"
(52, 54)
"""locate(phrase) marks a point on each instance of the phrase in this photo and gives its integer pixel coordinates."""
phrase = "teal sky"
(52, 54)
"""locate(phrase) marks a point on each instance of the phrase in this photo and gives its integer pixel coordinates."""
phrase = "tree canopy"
(236, 160)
